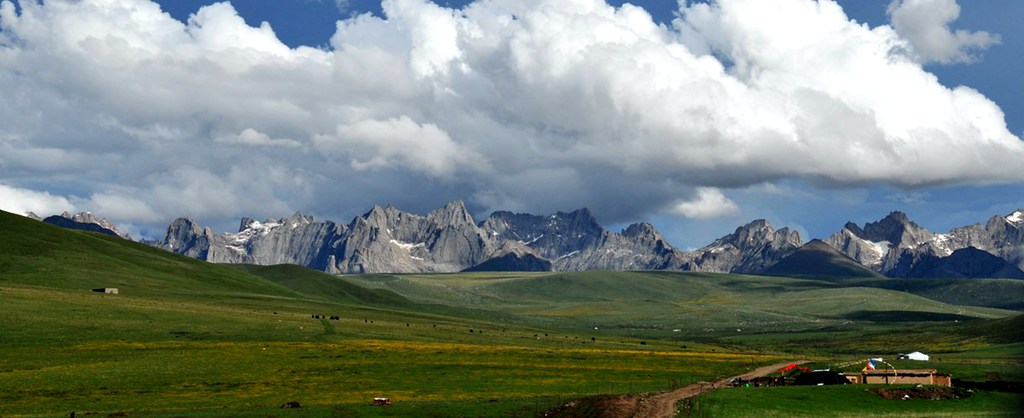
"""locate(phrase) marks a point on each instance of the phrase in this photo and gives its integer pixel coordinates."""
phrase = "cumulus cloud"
(22, 201)
(397, 142)
(925, 24)
(250, 136)
(708, 203)
(535, 105)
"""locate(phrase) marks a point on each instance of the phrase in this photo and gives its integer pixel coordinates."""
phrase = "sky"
(694, 116)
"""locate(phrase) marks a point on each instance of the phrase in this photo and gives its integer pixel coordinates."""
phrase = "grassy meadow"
(844, 401)
(189, 338)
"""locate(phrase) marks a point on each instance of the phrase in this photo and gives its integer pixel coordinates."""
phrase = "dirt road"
(659, 405)
(663, 405)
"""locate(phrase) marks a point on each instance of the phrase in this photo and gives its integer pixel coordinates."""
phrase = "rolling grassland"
(185, 338)
(188, 338)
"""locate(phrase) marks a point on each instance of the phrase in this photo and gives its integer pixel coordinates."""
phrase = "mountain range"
(897, 247)
(388, 240)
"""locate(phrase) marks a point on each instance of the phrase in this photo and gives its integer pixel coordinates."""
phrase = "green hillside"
(38, 254)
(667, 304)
(189, 338)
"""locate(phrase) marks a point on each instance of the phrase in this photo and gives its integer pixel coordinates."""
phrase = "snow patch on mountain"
(534, 240)
(881, 248)
(943, 242)
(1016, 218)
(253, 229)
(407, 246)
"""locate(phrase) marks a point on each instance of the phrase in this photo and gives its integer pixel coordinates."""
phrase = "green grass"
(188, 338)
(698, 305)
(126, 353)
(841, 401)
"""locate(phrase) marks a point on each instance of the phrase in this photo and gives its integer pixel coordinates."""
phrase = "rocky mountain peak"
(580, 215)
(641, 230)
(182, 227)
(751, 248)
(453, 213)
(580, 219)
(755, 232)
(298, 219)
(376, 212)
(646, 236)
(791, 236)
(185, 236)
(897, 229)
(897, 217)
(32, 215)
(246, 223)
(378, 217)
(87, 218)
(854, 228)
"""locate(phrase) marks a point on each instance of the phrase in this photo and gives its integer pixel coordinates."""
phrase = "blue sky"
(141, 119)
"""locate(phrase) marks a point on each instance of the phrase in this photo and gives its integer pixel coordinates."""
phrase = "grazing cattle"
(290, 405)
(381, 401)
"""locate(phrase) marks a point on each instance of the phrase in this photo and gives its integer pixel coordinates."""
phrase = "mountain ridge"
(388, 240)
(896, 246)
(448, 239)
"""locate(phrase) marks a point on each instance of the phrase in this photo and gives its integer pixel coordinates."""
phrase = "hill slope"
(818, 259)
(37, 253)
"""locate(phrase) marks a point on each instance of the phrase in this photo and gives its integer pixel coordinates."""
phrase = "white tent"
(917, 355)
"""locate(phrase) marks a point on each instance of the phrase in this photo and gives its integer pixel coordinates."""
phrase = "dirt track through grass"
(649, 405)
(663, 405)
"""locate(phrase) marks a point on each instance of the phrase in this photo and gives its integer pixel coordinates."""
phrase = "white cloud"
(535, 104)
(21, 201)
(398, 142)
(252, 137)
(925, 24)
(707, 204)
(122, 206)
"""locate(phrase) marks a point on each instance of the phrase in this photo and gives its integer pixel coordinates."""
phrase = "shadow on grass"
(905, 316)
